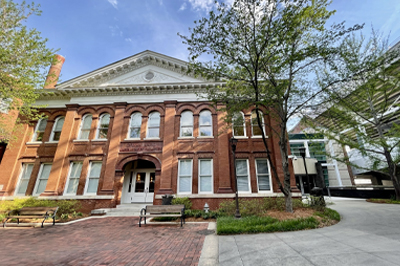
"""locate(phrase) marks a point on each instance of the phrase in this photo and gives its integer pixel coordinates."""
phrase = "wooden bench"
(162, 211)
(32, 213)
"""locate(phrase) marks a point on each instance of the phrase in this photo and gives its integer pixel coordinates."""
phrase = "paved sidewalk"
(369, 234)
(103, 241)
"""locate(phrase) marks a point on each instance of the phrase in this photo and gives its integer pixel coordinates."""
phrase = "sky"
(93, 33)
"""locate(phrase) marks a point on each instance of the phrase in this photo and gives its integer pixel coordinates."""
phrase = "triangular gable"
(143, 68)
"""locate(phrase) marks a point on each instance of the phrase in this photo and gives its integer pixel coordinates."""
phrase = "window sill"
(205, 137)
(155, 138)
(51, 142)
(258, 137)
(100, 140)
(186, 138)
(34, 143)
(132, 139)
(241, 137)
(80, 140)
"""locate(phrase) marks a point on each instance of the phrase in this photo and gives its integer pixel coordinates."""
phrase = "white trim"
(248, 176)
(244, 127)
(99, 124)
(87, 178)
(130, 126)
(262, 122)
(131, 139)
(205, 137)
(34, 143)
(186, 137)
(179, 174)
(51, 139)
(20, 178)
(80, 128)
(80, 140)
(38, 177)
(231, 195)
(206, 126)
(187, 126)
(269, 175)
(69, 178)
(148, 123)
(153, 138)
(212, 176)
(36, 129)
(98, 140)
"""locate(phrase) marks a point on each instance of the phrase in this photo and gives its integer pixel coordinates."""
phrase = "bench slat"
(161, 215)
(25, 217)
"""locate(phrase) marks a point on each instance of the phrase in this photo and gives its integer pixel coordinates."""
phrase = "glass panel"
(153, 132)
(42, 125)
(257, 131)
(263, 182)
(84, 134)
(294, 148)
(317, 150)
(59, 124)
(154, 119)
(87, 122)
(105, 120)
(184, 184)
(76, 170)
(205, 184)
(256, 128)
(136, 120)
(187, 132)
(135, 132)
(152, 182)
(140, 182)
(243, 183)
(241, 167)
(39, 136)
(73, 185)
(187, 118)
(92, 186)
(95, 169)
(41, 186)
(262, 167)
(130, 184)
(205, 118)
(103, 133)
(27, 171)
(205, 131)
(205, 167)
(238, 131)
(45, 171)
(185, 168)
(23, 186)
(56, 136)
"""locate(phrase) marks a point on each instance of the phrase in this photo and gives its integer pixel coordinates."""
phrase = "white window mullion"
(206, 176)
(185, 176)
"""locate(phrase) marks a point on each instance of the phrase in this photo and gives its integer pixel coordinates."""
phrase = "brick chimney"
(54, 72)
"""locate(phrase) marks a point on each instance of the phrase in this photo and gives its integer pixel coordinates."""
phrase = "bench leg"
(144, 220)
(140, 220)
(4, 224)
(17, 220)
(43, 222)
(181, 220)
(54, 220)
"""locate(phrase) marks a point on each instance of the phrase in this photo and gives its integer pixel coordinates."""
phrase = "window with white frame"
(186, 124)
(185, 176)
(255, 129)
(102, 128)
(242, 173)
(92, 181)
(238, 124)
(134, 126)
(71, 186)
(85, 127)
(24, 178)
(39, 130)
(205, 176)
(43, 176)
(205, 123)
(153, 125)
(57, 127)
(262, 171)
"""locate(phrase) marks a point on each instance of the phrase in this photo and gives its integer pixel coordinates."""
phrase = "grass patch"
(387, 201)
(253, 224)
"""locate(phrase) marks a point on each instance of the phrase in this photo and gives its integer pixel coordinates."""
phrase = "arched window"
(85, 127)
(57, 127)
(255, 129)
(39, 130)
(153, 125)
(134, 126)
(186, 124)
(238, 125)
(205, 123)
(102, 128)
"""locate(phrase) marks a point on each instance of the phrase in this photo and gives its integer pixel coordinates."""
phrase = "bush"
(185, 201)
(328, 213)
(255, 224)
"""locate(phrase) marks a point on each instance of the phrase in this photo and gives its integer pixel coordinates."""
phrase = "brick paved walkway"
(108, 241)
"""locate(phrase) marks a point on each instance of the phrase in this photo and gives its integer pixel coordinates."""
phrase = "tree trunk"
(286, 173)
(289, 202)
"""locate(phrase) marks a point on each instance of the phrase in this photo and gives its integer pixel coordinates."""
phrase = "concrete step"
(121, 210)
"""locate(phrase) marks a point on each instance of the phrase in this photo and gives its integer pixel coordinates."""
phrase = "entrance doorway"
(139, 182)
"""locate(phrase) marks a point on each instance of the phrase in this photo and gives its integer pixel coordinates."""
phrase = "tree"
(364, 113)
(266, 50)
(24, 59)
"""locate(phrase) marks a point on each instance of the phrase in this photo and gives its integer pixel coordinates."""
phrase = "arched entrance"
(139, 182)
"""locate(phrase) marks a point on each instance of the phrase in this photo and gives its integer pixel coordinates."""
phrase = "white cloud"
(114, 3)
(202, 4)
(183, 7)
(115, 31)
(160, 2)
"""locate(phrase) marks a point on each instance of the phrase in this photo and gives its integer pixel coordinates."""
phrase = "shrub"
(185, 201)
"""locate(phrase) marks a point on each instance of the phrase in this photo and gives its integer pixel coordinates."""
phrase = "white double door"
(140, 187)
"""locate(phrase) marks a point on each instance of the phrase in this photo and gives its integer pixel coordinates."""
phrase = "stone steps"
(121, 210)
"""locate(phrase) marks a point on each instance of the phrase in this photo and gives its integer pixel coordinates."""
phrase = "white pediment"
(149, 74)
(144, 68)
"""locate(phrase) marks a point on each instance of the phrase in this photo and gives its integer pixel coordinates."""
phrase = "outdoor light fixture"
(234, 142)
(206, 208)
(303, 155)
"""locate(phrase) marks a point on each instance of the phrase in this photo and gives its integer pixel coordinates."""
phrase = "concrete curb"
(210, 253)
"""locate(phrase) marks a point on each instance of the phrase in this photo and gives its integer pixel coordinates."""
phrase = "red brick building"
(133, 131)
